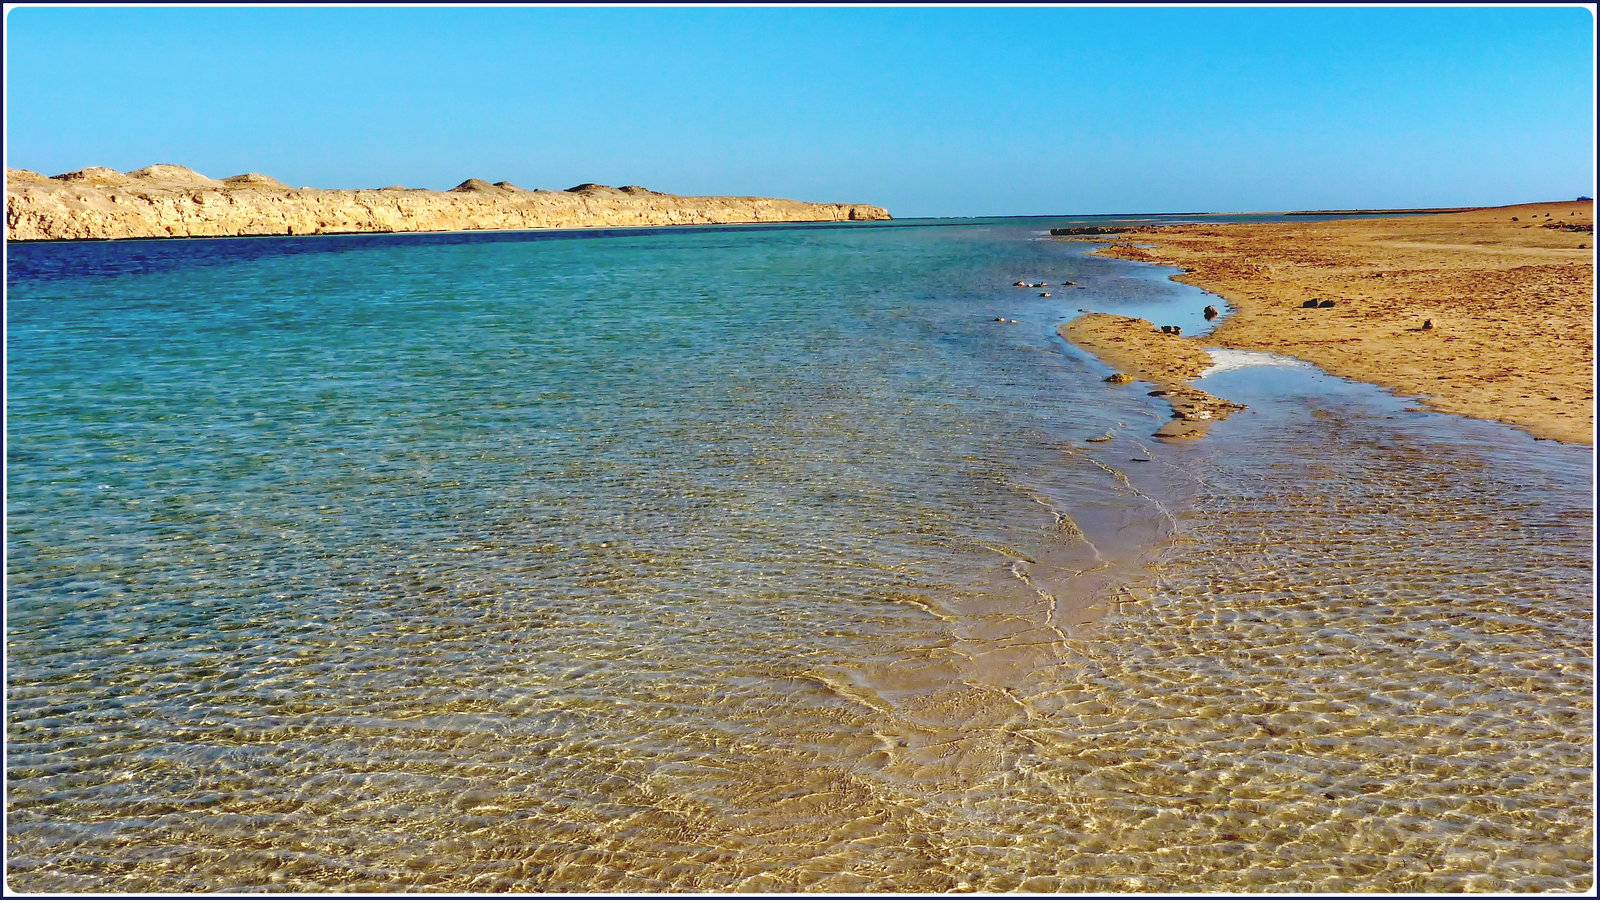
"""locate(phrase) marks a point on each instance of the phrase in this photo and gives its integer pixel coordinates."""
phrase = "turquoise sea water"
(752, 558)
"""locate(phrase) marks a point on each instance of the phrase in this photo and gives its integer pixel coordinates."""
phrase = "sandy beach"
(1486, 313)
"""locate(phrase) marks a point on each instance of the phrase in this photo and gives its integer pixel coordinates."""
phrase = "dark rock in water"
(1182, 429)
(1068, 283)
(1326, 304)
(1087, 229)
(1119, 378)
(1309, 304)
(1019, 283)
(1210, 313)
(1044, 293)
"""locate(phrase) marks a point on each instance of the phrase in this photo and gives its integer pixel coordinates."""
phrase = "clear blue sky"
(927, 111)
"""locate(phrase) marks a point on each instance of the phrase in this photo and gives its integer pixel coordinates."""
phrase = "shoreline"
(787, 223)
(1487, 313)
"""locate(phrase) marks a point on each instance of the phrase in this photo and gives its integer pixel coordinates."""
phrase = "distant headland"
(165, 201)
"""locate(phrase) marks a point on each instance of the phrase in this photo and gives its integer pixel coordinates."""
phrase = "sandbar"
(1142, 352)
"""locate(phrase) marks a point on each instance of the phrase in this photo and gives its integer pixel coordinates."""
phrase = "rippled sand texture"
(1332, 688)
(530, 622)
(1370, 668)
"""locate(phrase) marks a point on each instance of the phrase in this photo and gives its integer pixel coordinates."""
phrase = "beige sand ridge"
(174, 201)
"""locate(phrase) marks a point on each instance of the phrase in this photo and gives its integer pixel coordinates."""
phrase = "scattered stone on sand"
(1326, 304)
(1427, 324)
(1119, 378)
(1309, 304)
(1193, 404)
(1081, 230)
(1179, 429)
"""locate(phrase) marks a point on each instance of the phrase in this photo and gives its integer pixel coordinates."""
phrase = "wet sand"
(1142, 352)
(1487, 313)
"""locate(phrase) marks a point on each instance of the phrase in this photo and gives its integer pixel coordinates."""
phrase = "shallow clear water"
(752, 558)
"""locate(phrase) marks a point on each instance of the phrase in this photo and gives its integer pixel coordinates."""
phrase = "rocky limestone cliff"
(171, 201)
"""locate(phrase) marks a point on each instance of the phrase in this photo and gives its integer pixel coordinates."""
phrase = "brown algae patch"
(1166, 360)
